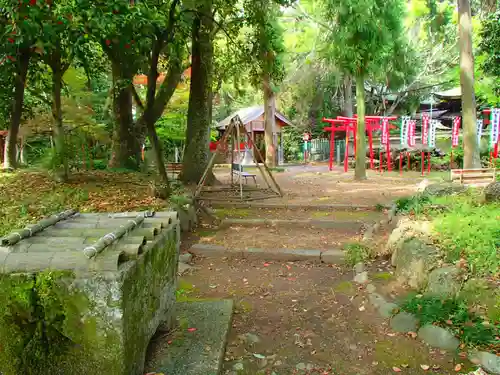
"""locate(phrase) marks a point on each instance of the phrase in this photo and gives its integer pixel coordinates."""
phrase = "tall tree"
(471, 149)
(269, 46)
(364, 34)
(20, 30)
(200, 95)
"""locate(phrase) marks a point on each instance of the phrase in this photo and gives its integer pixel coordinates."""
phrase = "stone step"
(200, 350)
(303, 223)
(331, 256)
(294, 206)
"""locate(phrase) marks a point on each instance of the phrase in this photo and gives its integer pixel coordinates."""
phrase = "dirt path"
(298, 318)
(317, 185)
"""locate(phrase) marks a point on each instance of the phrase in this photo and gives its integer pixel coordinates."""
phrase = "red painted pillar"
(422, 160)
(332, 145)
(346, 156)
(389, 161)
(401, 163)
(370, 140)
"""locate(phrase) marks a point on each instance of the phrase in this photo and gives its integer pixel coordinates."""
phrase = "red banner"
(425, 129)
(411, 133)
(455, 131)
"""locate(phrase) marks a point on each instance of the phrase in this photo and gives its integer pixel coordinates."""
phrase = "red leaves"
(11, 40)
(32, 2)
(127, 45)
(108, 42)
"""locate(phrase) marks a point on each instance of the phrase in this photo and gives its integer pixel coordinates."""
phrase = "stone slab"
(312, 223)
(288, 255)
(200, 352)
(296, 206)
(208, 250)
(333, 257)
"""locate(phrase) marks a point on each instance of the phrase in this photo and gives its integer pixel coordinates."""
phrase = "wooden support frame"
(235, 130)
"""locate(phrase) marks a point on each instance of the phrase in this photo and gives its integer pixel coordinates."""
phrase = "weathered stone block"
(405, 230)
(71, 314)
(414, 261)
(445, 282)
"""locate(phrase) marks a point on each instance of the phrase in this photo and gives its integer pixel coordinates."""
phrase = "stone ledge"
(314, 223)
(319, 207)
(289, 255)
(333, 257)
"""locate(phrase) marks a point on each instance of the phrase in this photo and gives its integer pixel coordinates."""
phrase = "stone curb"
(288, 255)
(314, 223)
(312, 207)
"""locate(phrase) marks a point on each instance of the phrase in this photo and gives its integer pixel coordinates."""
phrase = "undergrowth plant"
(454, 314)
(356, 253)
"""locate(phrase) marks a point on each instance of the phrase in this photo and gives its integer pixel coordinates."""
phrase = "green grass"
(454, 314)
(464, 227)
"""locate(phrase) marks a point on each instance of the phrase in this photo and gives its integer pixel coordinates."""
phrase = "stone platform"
(198, 346)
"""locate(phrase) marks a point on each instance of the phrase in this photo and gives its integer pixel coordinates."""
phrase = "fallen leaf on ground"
(458, 367)
(192, 329)
(396, 369)
(425, 367)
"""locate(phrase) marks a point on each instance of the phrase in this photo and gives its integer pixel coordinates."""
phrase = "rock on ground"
(404, 322)
(406, 229)
(438, 337)
(445, 282)
(446, 188)
(492, 192)
(361, 278)
(489, 361)
(413, 262)
(185, 258)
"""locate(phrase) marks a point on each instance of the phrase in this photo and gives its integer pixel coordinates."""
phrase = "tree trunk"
(126, 145)
(269, 122)
(360, 171)
(195, 158)
(10, 150)
(471, 149)
(61, 156)
(348, 111)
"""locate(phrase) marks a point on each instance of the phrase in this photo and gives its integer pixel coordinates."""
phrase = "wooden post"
(401, 163)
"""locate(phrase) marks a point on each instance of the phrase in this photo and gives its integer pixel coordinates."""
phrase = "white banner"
(495, 126)
(405, 121)
(479, 126)
(432, 133)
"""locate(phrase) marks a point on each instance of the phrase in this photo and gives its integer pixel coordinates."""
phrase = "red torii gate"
(349, 124)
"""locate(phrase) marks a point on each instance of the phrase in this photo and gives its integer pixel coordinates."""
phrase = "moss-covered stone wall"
(59, 322)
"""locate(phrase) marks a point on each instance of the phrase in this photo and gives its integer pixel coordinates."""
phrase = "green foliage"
(415, 204)
(356, 253)
(464, 227)
(470, 229)
(454, 314)
(364, 33)
(489, 47)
